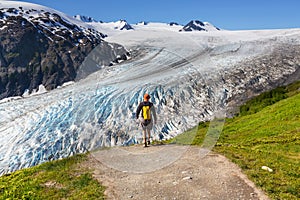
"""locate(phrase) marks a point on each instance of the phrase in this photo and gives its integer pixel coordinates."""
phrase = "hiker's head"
(146, 97)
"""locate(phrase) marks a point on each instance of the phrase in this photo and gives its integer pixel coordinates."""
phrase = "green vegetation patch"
(269, 98)
(62, 179)
(267, 134)
(269, 138)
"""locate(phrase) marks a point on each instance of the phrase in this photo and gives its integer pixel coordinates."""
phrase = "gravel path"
(169, 172)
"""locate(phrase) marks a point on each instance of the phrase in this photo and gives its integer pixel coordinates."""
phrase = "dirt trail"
(169, 172)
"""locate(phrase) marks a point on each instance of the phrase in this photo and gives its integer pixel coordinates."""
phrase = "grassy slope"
(270, 138)
(267, 133)
(62, 179)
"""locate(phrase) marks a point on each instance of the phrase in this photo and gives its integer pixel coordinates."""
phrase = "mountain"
(142, 23)
(118, 25)
(86, 18)
(173, 24)
(112, 28)
(107, 28)
(122, 25)
(196, 25)
(41, 46)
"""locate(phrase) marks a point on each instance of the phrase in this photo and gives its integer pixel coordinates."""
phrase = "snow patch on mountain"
(196, 25)
(122, 25)
(85, 18)
(110, 28)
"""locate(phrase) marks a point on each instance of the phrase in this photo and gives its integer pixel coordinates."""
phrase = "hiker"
(148, 111)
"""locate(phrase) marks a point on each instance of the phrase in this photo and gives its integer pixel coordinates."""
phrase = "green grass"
(62, 179)
(269, 98)
(270, 136)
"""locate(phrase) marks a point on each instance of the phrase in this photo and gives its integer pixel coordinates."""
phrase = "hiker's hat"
(146, 96)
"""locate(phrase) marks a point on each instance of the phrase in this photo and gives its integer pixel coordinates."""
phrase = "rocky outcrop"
(39, 47)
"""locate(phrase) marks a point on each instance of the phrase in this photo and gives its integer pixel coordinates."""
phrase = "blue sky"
(225, 14)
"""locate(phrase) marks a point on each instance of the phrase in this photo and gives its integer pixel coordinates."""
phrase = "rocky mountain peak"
(142, 23)
(123, 25)
(86, 19)
(173, 24)
(196, 25)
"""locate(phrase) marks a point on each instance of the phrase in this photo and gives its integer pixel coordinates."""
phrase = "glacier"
(191, 77)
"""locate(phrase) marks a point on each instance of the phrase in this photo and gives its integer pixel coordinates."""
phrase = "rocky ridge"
(196, 25)
(41, 47)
